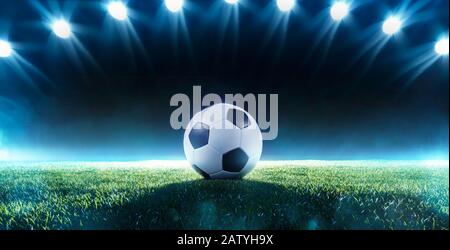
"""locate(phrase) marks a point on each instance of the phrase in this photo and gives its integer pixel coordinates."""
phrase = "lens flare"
(5, 49)
(62, 29)
(232, 1)
(339, 11)
(392, 25)
(174, 5)
(441, 47)
(118, 10)
(285, 5)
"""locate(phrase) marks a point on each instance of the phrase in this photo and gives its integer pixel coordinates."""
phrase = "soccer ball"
(223, 142)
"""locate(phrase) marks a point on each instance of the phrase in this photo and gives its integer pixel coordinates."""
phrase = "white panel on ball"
(208, 159)
(223, 138)
(251, 141)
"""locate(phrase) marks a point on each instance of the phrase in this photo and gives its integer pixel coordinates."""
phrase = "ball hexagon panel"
(208, 159)
(224, 136)
(234, 161)
(199, 135)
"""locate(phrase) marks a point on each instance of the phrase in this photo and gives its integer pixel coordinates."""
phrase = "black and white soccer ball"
(223, 142)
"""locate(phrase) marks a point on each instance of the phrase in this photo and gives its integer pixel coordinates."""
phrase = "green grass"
(361, 195)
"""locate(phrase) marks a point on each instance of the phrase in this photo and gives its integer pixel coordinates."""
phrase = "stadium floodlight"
(5, 49)
(118, 10)
(62, 29)
(392, 25)
(441, 47)
(174, 5)
(339, 10)
(285, 5)
(232, 1)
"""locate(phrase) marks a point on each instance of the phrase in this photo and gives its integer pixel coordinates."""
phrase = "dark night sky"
(110, 100)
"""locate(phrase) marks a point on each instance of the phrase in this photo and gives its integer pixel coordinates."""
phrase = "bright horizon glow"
(339, 10)
(4, 155)
(441, 47)
(118, 10)
(392, 25)
(285, 5)
(436, 163)
(5, 49)
(62, 29)
(174, 5)
(232, 1)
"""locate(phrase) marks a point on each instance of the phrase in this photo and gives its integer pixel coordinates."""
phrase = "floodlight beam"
(5, 49)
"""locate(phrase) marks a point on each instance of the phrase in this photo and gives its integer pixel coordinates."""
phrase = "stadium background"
(104, 94)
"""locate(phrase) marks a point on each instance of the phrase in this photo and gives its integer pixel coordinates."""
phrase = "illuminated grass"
(295, 195)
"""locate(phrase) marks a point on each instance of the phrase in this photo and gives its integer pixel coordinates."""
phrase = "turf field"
(276, 195)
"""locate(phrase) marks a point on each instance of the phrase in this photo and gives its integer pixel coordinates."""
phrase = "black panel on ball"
(235, 160)
(199, 135)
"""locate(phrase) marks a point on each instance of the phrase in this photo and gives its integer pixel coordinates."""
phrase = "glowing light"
(441, 47)
(5, 49)
(118, 10)
(339, 11)
(232, 1)
(174, 5)
(62, 29)
(285, 5)
(392, 25)
(4, 155)
(436, 163)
